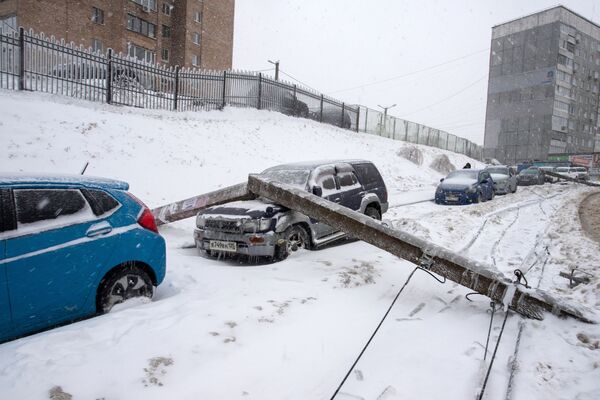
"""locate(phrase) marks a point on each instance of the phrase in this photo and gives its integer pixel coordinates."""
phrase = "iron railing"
(30, 61)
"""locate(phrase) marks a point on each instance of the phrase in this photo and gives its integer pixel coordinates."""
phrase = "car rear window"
(368, 173)
(100, 201)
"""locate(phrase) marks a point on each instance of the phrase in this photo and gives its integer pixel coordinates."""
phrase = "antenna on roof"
(84, 167)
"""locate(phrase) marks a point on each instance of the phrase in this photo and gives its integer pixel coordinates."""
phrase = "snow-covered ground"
(291, 330)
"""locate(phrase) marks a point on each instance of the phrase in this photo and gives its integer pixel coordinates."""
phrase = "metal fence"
(375, 122)
(30, 61)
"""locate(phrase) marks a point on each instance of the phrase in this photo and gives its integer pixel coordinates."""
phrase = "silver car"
(262, 228)
(504, 177)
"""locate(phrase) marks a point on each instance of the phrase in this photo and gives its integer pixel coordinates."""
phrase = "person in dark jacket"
(467, 166)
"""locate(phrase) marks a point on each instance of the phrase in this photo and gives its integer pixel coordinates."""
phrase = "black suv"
(262, 228)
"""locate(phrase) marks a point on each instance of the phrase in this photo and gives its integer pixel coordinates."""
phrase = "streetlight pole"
(276, 63)
(385, 109)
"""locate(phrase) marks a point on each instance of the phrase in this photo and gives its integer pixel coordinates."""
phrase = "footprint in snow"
(417, 310)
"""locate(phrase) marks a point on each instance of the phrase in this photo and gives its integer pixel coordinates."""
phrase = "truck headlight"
(200, 221)
(256, 225)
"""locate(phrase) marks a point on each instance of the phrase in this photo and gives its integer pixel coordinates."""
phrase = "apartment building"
(544, 87)
(188, 33)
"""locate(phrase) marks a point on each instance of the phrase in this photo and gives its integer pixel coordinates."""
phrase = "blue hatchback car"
(465, 186)
(71, 247)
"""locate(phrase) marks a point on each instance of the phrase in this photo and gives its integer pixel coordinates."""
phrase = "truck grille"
(223, 225)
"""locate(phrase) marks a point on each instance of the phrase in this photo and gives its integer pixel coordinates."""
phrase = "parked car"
(549, 178)
(579, 173)
(465, 186)
(280, 98)
(504, 177)
(82, 71)
(531, 176)
(335, 117)
(72, 247)
(261, 228)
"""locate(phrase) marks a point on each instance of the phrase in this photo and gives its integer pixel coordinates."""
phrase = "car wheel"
(293, 238)
(124, 284)
(373, 213)
(479, 198)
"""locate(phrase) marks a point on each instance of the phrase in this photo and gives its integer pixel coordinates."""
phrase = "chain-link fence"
(29, 61)
(377, 123)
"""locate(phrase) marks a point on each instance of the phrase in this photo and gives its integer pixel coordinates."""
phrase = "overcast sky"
(344, 47)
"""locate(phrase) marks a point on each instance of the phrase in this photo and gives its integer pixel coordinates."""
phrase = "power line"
(299, 81)
(447, 98)
(411, 73)
(263, 70)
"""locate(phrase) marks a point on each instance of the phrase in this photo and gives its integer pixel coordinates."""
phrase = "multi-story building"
(543, 87)
(190, 33)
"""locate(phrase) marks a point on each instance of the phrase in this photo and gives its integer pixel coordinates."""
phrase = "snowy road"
(290, 330)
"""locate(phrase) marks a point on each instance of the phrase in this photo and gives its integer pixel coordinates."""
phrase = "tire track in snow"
(518, 206)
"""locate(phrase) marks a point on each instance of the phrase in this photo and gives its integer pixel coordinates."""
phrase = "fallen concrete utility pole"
(568, 178)
(476, 276)
(189, 207)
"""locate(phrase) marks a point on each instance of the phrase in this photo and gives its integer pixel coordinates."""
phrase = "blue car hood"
(457, 184)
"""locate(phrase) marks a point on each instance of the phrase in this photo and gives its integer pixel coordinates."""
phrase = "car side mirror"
(317, 191)
(442, 180)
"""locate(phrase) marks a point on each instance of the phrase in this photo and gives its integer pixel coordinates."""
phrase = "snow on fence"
(30, 61)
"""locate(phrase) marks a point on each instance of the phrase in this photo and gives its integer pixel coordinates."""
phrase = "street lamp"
(276, 63)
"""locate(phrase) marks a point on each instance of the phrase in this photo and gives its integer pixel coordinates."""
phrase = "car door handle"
(98, 229)
(337, 200)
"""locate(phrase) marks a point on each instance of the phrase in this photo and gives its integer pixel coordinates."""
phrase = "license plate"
(451, 198)
(220, 245)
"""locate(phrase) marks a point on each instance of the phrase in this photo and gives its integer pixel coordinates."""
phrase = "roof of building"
(560, 6)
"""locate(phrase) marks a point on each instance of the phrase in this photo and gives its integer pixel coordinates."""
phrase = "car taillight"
(146, 220)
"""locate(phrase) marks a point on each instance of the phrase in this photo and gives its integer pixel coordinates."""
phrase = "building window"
(8, 24)
(198, 16)
(195, 60)
(561, 106)
(196, 38)
(166, 31)
(141, 26)
(140, 53)
(97, 16)
(97, 45)
(167, 8)
(147, 4)
(164, 55)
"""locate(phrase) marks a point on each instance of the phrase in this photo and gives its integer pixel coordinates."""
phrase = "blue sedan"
(465, 186)
(71, 247)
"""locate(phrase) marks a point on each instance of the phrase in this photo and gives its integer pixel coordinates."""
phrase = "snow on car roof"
(51, 179)
(314, 164)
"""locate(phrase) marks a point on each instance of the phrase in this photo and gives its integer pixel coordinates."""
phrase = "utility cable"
(446, 98)
(487, 341)
(411, 73)
(373, 335)
(379, 326)
(297, 80)
(487, 375)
